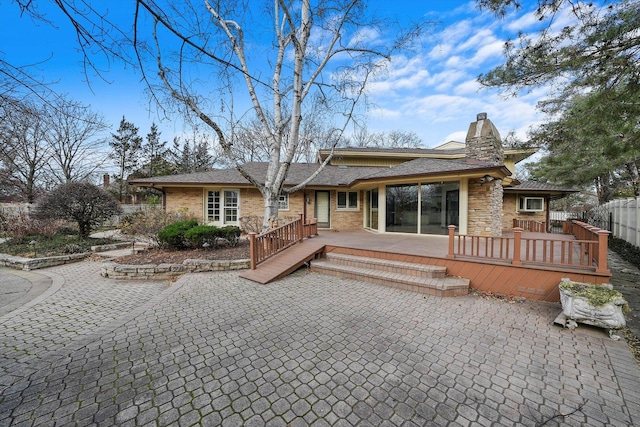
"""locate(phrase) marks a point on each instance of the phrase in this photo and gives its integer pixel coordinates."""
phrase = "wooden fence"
(265, 245)
(588, 250)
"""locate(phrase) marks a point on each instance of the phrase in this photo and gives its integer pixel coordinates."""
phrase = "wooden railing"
(265, 245)
(530, 225)
(588, 251)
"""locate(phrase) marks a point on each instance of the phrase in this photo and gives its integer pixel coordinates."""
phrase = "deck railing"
(265, 245)
(530, 225)
(588, 251)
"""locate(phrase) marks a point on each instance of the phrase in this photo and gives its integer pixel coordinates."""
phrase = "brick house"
(419, 191)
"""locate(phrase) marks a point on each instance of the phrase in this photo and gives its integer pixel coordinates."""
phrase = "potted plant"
(592, 304)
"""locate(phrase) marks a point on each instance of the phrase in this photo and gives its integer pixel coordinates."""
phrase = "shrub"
(203, 235)
(23, 225)
(211, 236)
(231, 234)
(147, 224)
(85, 204)
(172, 235)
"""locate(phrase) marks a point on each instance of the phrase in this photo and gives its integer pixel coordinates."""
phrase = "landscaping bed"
(166, 256)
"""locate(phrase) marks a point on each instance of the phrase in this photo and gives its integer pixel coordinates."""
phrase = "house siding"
(252, 204)
(510, 212)
(346, 219)
(189, 199)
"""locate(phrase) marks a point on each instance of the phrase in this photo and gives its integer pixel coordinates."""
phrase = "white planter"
(578, 308)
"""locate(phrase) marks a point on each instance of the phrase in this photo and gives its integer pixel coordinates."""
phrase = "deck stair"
(421, 278)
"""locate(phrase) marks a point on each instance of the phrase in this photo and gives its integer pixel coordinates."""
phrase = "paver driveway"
(214, 349)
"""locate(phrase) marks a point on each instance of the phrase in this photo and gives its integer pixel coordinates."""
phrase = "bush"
(211, 236)
(203, 235)
(231, 234)
(627, 251)
(85, 204)
(147, 224)
(23, 225)
(172, 236)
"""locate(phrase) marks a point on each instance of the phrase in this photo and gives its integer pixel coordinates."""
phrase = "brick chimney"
(483, 141)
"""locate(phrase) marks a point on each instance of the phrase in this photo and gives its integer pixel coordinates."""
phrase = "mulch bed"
(164, 256)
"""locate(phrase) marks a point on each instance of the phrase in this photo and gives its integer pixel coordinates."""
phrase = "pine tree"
(125, 149)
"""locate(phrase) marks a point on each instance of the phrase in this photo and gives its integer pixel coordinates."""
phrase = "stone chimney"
(105, 181)
(483, 141)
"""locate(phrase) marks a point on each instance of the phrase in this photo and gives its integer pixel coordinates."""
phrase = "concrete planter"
(596, 305)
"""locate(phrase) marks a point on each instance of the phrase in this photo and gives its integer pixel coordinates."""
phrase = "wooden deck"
(534, 282)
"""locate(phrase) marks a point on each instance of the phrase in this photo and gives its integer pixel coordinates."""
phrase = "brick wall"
(343, 219)
(185, 198)
(510, 213)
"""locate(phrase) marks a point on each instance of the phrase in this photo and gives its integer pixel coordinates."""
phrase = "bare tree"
(393, 139)
(283, 56)
(75, 138)
(24, 152)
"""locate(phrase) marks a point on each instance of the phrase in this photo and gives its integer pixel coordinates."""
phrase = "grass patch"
(41, 246)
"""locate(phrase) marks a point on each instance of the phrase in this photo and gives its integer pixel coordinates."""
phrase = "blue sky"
(433, 93)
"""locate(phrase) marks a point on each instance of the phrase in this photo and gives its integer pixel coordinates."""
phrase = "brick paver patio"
(215, 349)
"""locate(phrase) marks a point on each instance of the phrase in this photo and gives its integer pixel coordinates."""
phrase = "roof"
(449, 150)
(429, 166)
(330, 176)
(535, 187)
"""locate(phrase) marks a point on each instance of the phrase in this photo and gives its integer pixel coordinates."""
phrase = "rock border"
(113, 270)
(28, 264)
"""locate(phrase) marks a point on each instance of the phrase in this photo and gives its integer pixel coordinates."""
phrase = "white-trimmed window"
(222, 206)
(283, 201)
(347, 199)
(531, 204)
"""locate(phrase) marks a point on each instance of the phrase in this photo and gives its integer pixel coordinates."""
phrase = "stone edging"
(27, 264)
(113, 270)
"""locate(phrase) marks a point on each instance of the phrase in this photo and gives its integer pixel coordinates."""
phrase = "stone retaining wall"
(114, 270)
(27, 264)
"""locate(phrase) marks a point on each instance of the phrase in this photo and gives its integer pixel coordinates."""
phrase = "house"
(418, 191)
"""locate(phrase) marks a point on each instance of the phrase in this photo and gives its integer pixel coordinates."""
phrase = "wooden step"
(380, 264)
(439, 286)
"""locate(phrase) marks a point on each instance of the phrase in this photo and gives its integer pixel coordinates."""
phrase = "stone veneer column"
(483, 143)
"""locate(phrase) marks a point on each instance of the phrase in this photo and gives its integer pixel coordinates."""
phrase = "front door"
(323, 205)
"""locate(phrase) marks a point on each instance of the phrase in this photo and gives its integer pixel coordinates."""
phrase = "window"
(222, 206)
(347, 200)
(283, 201)
(531, 204)
(213, 206)
(230, 206)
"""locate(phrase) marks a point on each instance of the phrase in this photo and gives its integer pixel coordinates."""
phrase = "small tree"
(86, 204)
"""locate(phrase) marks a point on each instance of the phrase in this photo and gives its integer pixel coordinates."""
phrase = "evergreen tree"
(125, 150)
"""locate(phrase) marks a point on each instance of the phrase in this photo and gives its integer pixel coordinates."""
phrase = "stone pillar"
(483, 141)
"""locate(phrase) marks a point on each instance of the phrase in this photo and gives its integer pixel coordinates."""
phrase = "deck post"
(300, 227)
(252, 249)
(603, 243)
(452, 229)
(517, 241)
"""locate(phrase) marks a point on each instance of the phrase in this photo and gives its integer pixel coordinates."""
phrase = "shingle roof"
(428, 166)
(330, 176)
(535, 186)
